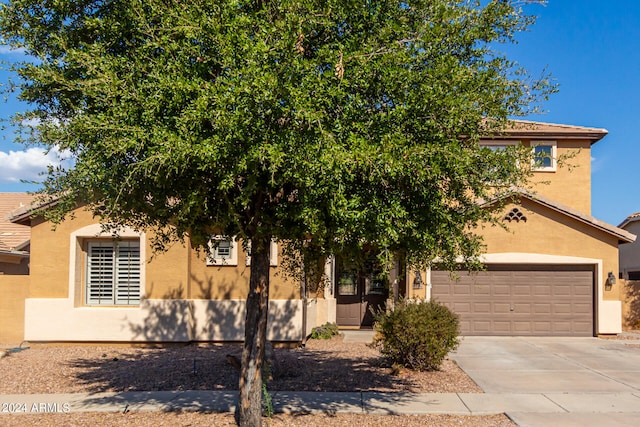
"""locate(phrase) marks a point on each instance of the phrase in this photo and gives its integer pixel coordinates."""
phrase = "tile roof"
(13, 237)
(529, 129)
(631, 218)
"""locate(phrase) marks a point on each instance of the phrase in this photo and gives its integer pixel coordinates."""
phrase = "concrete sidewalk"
(551, 404)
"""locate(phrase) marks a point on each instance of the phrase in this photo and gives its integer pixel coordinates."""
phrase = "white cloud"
(597, 164)
(8, 50)
(32, 123)
(28, 164)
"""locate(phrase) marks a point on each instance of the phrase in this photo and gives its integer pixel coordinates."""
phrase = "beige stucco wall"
(570, 184)
(551, 237)
(58, 320)
(184, 298)
(50, 256)
(180, 272)
(631, 304)
(13, 291)
(547, 232)
(550, 232)
(167, 273)
(232, 281)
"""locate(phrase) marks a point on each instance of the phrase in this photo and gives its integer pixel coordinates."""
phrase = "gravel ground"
(160, 419)
(323, 365)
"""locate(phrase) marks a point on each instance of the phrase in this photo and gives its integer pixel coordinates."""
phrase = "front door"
(360, 292)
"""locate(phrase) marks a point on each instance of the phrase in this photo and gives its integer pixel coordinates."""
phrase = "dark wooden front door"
(359, 293)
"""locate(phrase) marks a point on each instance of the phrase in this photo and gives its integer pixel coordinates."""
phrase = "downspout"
(303, 290)
(428, 285)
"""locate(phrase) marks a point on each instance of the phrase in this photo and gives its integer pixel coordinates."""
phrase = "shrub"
(325, 331)
(417, 334)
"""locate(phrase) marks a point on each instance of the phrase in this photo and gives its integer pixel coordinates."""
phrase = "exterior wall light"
(417, 280)
(611, 280)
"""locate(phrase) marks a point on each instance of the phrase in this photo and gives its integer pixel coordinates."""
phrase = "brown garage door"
(520, 300)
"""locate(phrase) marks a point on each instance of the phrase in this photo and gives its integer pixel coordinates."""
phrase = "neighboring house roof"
(22, 214)
(622, 235)
(631, 218)
(13, 237)
(528, 129)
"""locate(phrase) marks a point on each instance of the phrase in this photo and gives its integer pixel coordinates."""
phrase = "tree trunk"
(249, 408)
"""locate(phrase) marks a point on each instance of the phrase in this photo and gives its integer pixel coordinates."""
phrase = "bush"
(417, 334)
(324, 332)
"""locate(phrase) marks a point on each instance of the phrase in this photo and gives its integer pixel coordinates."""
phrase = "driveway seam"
(464, 403)
(595, 371)
(555, 403)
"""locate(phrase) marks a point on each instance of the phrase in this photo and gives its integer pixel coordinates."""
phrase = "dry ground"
(323, 365)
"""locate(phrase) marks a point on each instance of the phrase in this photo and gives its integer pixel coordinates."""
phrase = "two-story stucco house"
(550, 274)
(554, 272)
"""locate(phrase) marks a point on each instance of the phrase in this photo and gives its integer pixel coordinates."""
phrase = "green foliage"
(417, 334)
(352, 122)
(332, 125)
(324, 332)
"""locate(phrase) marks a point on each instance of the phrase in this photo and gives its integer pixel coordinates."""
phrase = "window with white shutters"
(113, 273)
(223, 250)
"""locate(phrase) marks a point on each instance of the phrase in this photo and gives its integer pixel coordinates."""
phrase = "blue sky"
(591, 48)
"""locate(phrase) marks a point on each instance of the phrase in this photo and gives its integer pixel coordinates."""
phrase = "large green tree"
(327, 124)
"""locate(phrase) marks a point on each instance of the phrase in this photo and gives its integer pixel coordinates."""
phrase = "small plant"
(324, 332)
(417, 334)
(267, 403)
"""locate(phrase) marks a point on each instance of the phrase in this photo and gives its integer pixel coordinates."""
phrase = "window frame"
(498, 144)
(273, 253)
(552, 156)
(213, 258)
(108, 265)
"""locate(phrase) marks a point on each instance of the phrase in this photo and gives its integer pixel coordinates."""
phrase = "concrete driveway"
(542, 365)
(596, 381)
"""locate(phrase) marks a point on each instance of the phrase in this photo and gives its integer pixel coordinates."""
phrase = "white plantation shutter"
(223, 250)
(128, 273)
(113, 273)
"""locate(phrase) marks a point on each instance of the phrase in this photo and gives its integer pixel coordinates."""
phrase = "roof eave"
(24, 214)
(15, 253)
(532, 129)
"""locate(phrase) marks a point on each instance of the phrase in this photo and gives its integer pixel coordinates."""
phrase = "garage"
(536, 300)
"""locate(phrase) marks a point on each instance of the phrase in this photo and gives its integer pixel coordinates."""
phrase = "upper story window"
(544, 156)
(500, 160)
(496, 146)
(223, 250)
(113, 272)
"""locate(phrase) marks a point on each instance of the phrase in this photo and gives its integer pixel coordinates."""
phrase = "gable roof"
(623, 236)
(530, 129)
(13, 237)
